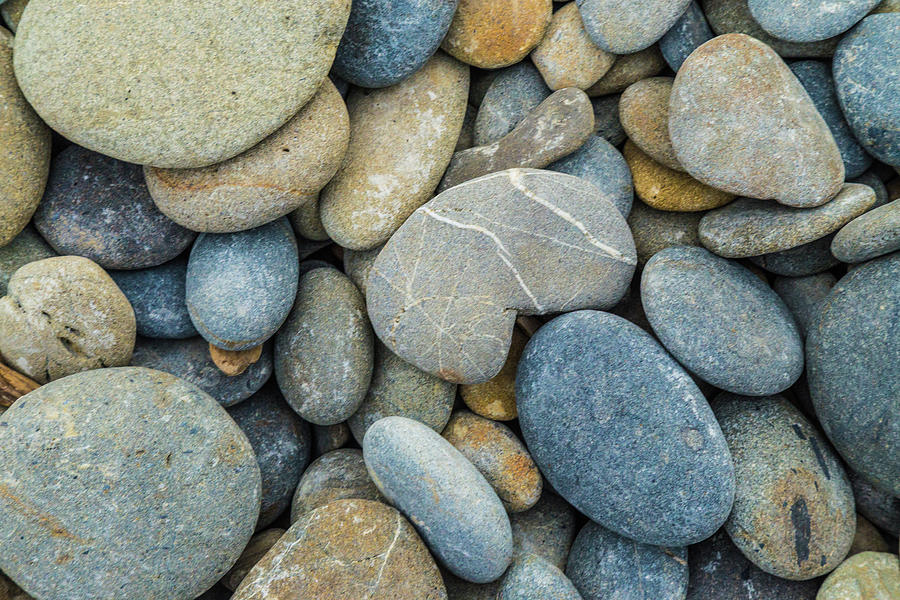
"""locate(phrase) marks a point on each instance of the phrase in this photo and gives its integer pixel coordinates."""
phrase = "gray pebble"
(804, 295)
(157, 296)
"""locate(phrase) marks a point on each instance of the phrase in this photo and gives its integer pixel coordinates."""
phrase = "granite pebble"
(566, 56)
(628, 27)
(865, 576)
(533, 578)
(600, 163)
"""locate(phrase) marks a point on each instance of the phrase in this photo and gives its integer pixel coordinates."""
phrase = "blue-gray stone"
(512, 94)
(158, 298)
(816, 79)
(806, 259)
(190, 360)
(865, 75)
(241, 286)
(282, 443)
(28, 246)
(721, 322)
(872, 180)
(600, 163)
(603, 565)
(628, 27)
(386, 42)
(853, 367)
(532, 578)
(621, 432)
(803, 295)
(123, 483)
(809, 20)
(606, 119)
(879, 507)
(688, 33)
(454, 508)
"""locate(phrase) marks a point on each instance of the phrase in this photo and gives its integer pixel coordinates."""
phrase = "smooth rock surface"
(337, 475)
(644, 112)
(869, 235)
(533, 578)
(629, 69)
(307, 220)
(808, 21)
(688, 33)
(11, 11)
(866, 576)
(655, 230)
(496, 398)
(600, 163)
(804, 295)
(627, 27)
(566, 56)
(26, 247)
(511, 96)
(880, 507)
(157, 296)
(547, 529)
(806, 259)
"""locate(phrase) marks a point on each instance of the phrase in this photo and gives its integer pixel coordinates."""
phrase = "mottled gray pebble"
(330, 437)
(531, 577)
(600, 163)
(337, 475)
(157, 296)
(871, 234)
(511, 96)
(806, 259)
(606, 119)
(880, 507)
(803, 295)
(809, 21)
(688, 33)
(626, 28)
(547, 529)
(358, 264)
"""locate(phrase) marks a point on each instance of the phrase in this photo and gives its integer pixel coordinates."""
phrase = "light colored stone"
(567, 57)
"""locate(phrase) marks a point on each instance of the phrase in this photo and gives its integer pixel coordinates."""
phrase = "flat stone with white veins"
(446, 289)
(626, 27)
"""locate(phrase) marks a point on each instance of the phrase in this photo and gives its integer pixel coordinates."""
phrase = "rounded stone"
(271, 179)
(644, 112)
(533, 578)
(721, 322)
(688, 33)
(385, 43)
(869, 235)
(547, 529)
(26, 247)
(330, 437)
(282, 443)
(851, 341)
(323, 354)
(259, 545)
(190, 360)
(865, 576)
(600, 163)
(177, 99)
(621, 432)
(358, 265)
(346, 549)
(337, 475)
(157, 296)
(626, 28)
(496, 398)
(240, 286)
(806, 259)
(867, 538)
(880, 507)
(183, 473)
(63, 315)
(307, 220)
(808, 21)
(499, 455)
(605, 565)
(629, 69)
(873, 180)
(804, 295)
(655, 230)
(25, 154)
(511, 96)
(491, 35)
(443, 494)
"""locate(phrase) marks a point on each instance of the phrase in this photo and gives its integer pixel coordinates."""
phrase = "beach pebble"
(806, 259)
(606, 119)
(307, 220)
(655, 230)
(866, 576)
(358, 265)
(869, 235)
(533, 578)
(880, 507)
(803, 296)
(496, 398)
(600, 163)
(626, 28)
(808, 21)
(629, 69)
(867, 538)
(258, 546)
(157, 296)
(26, 247)
(511, 96)
(330, 437)
(873, 180)
(567, 57)
(460, 589)
(337, 475)
(547, 529)
(644, 112)
(688, 33)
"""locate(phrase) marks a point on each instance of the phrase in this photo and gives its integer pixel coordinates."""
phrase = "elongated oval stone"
(728, 97)
(621, 432)
(627, 27)
(644, 112)
(871, 234)
(808, 21)
(157, 296)
(866, 576)
(451, 504)
(532, 578)
(806, 259)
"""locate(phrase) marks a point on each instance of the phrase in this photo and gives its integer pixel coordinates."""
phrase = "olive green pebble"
(867, 538)
(358, 264)
(307, 222)
(547, 529)
(865, 576)
(26, 247)
(655, 230)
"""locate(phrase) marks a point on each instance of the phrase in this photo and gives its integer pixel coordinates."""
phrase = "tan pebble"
(496, 398)
(865, 576)
(307, 222)
(867, 538)
(629, 69)
(234, 362)
(644, 113)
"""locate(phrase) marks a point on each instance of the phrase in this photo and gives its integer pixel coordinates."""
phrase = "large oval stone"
(621, 432)
(808, 21)
(627, 27)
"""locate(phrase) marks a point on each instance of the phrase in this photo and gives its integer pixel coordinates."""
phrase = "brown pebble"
(629, 69)
(234, 362)
(14, 385)
(496, 398)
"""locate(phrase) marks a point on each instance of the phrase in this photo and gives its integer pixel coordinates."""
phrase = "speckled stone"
(157, 296)
(654, 230)
(886, 6)
(605, 565)
(323, 354)
(258, 546)
(386, 42)
(443, 494)
(864, 67)
(559, 126)
(866, 576)
(346, 549)
(336, 475)
(26, 247)
(561, 219)
(688, 33)
(25, 154)
(869, 235)
(702, 307)
(728, 97)
(816, 79)
(271, 179)
(282, 444)
(401, 140)
(533, 578)
(806, 259)
(606, 119)
(871, 179)
(490, 35)
(600, 163)
(459, 589)
(240, 286)
(803, 295)
(566, 56)
(128, 457)
(11, 11)
(867, 538)
(547, 529)
(629, 69)
(63, 315)
(499, 455)
(666, 189)
(189, 102)
(880, 507)
(644, 112)
(512, 95)
(307, 220)
(808, 21)
(621, 432)
(327, 438)
(400, 389)
(854, 338)
(627, 27)
(358, 265)
(496, 398)
(190, 360)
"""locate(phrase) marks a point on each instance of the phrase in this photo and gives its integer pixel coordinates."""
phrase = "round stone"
(157, 296)
(184, 473)
(866, 576)
(177, 99)
(547, 529)
(804, 295)
(880, 507)
(533, 578)
(644, 112)
(26, 247)
(600, 163)
(655, 230)
(626, 28)
(511, 96)
(871, 234)
(337, 475)
(808, 21)
(496, 398)
(629, 69)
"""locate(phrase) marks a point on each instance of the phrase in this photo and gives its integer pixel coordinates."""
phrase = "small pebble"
(606, 119)
(547, 529)
(337, 475)
(688, 33)
(629, 69)
(567, 57)
(157, 296)
(330, 437)
(880, 507)
(533, 578)
(496, 398)
(805, 259)
(804, 295)
(600, 163)
(626, 28)
(655, 230)
(511, 96)
(28, 246)
(257, 548)
(644, 111)
(869, 235)
(867, 538)
(865, 576)
(307, 220)
(358, 265)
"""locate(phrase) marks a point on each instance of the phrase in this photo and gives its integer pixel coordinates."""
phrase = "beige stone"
(644, 113)
(567, 57)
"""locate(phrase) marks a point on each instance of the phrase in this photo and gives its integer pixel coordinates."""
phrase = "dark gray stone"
(157, 296)
(806, 259)
(688, 33)
(606, 119)
(598, 162)
(877, 506)
(804, 295)
(871, 234)
(330, 437)
(532, 578)
(513, 93)
(627, 27)
(811, 20)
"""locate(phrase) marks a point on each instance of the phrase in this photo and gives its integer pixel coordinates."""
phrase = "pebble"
(26, 247)
(880, 507)
(867, 538)
(346, 549)
(804, 295)
(751, 227)
(358, 265)
(64, 315)
(866, 576)
(385, 43)
(324, 354)
(276, 176)
(400, 389)
(655, 230)
(496, 398)
(453, 506)
(808, 21)
(511, 96)
(282, 443)
(11, 10)
(566, 56)
(240, 286)
(330, 437)
(806, 259)
(606, 119)
(547, 529)
(600, 163)
(401, 140)
(337, 475)
(490, 35)
(533, 578)
(467, 133)
(157, 296)
(644, 112)
(688, 33)
(728, 97)
(259, 545)
(581, 238)
(307, 220)
(100, 537)
(189, 102)
(25, 160)
(648, 467)
(721, 322)
(629, 69)
(190, 360)
(871, 179)
(845, 345)
(499, 455)
(869, 235)
(626, 28)
(559, 126)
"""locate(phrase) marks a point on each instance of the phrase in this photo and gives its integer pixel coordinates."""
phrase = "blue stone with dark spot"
(158, 299)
